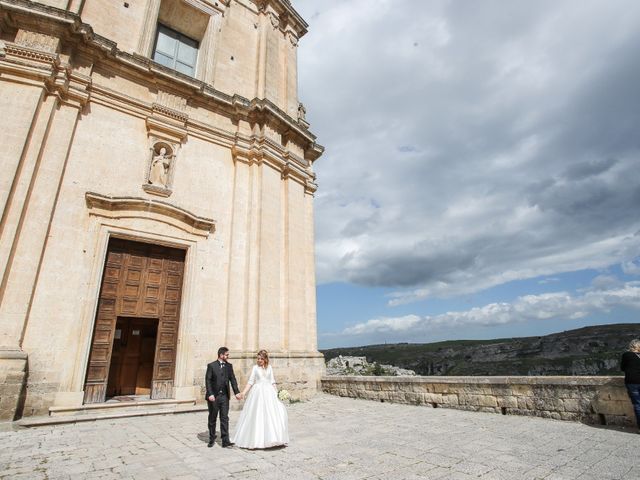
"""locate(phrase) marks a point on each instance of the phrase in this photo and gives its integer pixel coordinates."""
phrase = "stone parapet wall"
(595, 400)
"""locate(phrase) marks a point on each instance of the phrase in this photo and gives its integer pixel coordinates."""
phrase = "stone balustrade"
(595, 400)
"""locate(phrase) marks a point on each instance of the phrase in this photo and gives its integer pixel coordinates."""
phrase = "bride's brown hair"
(265, 356)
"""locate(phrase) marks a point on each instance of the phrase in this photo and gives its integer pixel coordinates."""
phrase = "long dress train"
(263, 422)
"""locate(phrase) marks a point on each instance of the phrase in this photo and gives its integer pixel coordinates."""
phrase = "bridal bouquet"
(283, 395)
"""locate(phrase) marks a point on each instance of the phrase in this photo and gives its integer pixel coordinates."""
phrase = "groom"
(219, 374)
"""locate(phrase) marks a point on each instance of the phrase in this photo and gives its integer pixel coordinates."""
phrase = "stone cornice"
(40, 64)
(70, 27)
(134, 207)
(208, 6)
(262, 150)
(176, 126)
(253, 148)
(269, 112)
(287, 15)
(70, 86)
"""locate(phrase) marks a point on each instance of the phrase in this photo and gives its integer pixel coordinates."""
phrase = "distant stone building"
(156, 199)
(359, 366)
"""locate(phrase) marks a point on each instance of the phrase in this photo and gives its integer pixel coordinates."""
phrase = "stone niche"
(160, 169)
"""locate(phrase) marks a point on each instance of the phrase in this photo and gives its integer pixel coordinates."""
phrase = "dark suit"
(217, 382)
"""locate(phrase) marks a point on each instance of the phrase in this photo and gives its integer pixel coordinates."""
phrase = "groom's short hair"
(222, 351)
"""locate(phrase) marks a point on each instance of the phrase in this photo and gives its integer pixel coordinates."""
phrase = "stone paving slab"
(332, 438)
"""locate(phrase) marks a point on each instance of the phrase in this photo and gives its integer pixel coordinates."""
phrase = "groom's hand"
(211, 398)
(238, 396)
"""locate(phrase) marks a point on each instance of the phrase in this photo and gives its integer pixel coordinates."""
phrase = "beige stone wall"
(82, 116)
(597, 400)
(123, 25)
(15, 129)
(250, 46)
(237, 66)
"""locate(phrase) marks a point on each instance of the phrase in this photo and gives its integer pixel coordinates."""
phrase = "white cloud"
(398, 324)
(467, 146)
(605, 282)
(631, 267)
(555, 305)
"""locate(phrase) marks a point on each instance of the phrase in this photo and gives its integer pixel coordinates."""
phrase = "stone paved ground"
(331, 438)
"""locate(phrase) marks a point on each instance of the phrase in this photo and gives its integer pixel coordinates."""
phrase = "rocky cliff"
(586, 351)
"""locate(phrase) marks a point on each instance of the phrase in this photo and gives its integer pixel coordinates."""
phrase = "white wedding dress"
(263, 422)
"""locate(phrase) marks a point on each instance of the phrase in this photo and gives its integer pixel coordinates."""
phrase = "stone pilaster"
(13, 379)
(59, 95)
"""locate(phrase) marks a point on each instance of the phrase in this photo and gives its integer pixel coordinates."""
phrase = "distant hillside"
(584, 351)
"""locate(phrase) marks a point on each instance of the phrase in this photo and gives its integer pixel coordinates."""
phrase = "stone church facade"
(156, 199)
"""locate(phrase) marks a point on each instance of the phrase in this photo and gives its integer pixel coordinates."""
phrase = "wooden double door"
(132, 357)
(133, 350)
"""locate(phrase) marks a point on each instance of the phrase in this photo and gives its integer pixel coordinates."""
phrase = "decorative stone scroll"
(292, 38)
(275, 21)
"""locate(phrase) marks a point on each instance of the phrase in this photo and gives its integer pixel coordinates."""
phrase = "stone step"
(109, 411)
(110, 407)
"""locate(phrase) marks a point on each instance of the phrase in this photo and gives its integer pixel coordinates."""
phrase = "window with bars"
(175, 50)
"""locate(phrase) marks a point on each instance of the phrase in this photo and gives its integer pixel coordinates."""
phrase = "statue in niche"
(159, 171)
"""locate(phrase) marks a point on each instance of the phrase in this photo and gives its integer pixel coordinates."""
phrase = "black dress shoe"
(210, 444)
(227, 444)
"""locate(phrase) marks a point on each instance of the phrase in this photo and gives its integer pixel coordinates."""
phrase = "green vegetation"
(586, 351)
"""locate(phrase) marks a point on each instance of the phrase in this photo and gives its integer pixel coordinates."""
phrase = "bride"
(263, 420)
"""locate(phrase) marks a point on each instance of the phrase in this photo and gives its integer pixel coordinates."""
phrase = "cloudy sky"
(481, 175)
